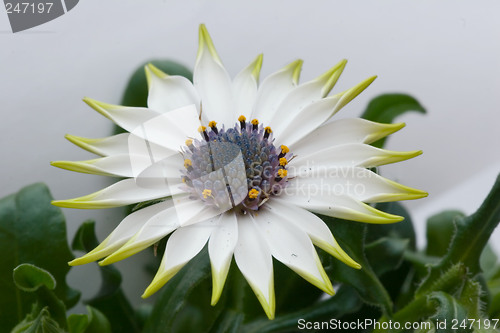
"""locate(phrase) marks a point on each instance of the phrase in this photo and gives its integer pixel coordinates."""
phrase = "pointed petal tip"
(296, 67)
(257, 66)
(205, 42)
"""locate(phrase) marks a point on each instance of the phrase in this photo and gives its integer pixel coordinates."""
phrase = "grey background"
(446, 53)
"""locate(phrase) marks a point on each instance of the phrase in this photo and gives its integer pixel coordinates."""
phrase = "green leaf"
(29, 278)
(385, 108)
(38, 321)
(440, 231)
(228, 322)
(28, 223)
(447, 310)
(471, 237)
(351, 237)
(93, 322)
(178, 298)
(386, 254)
(110, 299)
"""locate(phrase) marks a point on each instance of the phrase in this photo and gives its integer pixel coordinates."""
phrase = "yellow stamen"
(189, 142)
(253, 193)
(202, 129)
(283, 161)
(285, 149)
(187, 163)
(268, 129)
(212, 124)
(242, 118)
(282, 173)
(255, 122)
(206, 193)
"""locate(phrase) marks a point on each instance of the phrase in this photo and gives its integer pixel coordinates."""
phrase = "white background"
(446, 54)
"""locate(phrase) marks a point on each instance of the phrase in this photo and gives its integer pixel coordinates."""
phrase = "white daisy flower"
(241, 166)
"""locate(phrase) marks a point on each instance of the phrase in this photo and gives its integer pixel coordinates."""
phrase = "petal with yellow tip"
(127, 228)
(111, 145)
(167, 93)
(293, 247)
(303, 95)
(182, 246)
(339, 206)
(253, 257)
(122, 193)
(213, 83)
(245, 86)
(273, 90)
(311, 224)
(220, 249)
(349, 155)
(341, 131)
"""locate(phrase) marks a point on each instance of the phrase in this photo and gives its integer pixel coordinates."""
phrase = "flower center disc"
(236, 168)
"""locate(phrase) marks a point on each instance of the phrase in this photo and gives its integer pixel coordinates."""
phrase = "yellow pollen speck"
(268, 129)
(283, 161)
(187, 163)
(207, 193)
(285, 149)
(242, 118)
(201, 129)
(189, 142)
(255, 122)
(212, 124)
(282, 173)
(253, 193)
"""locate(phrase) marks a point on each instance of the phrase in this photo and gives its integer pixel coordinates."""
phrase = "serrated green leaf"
(28, 223)
(440, 230)
(385, 108)
(448, 309)
(38, 321)
(110, 300)
(471, 237)
(351, 237)
(29, 278)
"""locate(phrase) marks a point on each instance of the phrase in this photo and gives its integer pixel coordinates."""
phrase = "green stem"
(414, 311)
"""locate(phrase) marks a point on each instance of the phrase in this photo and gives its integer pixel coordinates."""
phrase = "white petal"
(253, 257)
(117, 165)
(317, 230)
(182, 246)
(245, 86)
(358, 183)
(337, 132)
(220, 248)
(122, 193)
(153, 231)
(305, 94)
(150, 125)
(127, 228)
(292, 247)
(273, 89)
(339, 206)
(167, 93)
(347, 155)
(213, 83)
(306, 121)
(111, 145)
